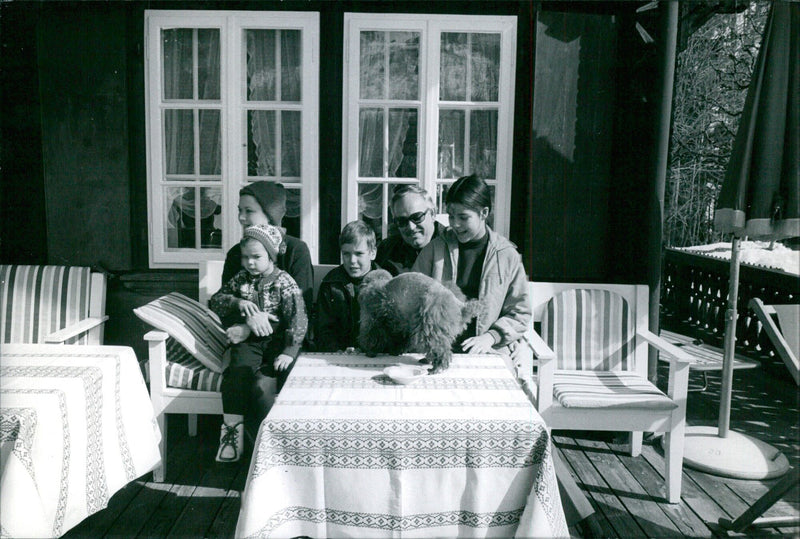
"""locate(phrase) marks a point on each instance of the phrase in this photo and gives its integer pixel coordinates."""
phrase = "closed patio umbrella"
(760, 198)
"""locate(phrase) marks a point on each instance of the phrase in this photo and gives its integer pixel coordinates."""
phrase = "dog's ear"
(453, 287)
(377, 277)
(378, 322)
(471, 309)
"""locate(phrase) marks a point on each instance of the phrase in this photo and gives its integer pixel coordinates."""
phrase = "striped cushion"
(185, 372)
(190, 323)
(598, 389)
(589, 329)
(36, 301)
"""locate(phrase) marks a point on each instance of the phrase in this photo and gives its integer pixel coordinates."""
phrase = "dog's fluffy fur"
(412, 313)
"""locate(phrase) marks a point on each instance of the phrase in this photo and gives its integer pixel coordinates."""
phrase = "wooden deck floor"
(201, 498)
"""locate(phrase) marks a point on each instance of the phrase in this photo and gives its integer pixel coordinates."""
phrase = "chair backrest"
(592, 326)
(789, 320)
(36, 301)
(785, 334)
(210, 278)
(320, 271)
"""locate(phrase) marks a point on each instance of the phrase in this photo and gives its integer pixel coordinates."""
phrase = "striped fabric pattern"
(598, 389)
(190, 323)
(36, 301)
(185, 372)
(589, 329)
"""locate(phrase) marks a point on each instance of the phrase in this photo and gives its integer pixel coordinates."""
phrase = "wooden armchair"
(592, 367)
(179, 382)
(52, 304)
(782, 325)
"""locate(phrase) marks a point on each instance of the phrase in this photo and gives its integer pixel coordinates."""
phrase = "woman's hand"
(482, 344)
(260, 323)
(248, 308)
(282, 362)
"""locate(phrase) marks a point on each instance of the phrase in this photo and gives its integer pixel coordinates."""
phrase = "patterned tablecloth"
(76, 425)
(346, 452)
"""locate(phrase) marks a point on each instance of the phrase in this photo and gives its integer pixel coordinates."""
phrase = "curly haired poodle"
(412, 313)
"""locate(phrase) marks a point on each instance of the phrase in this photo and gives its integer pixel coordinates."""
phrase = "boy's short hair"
(355, 231)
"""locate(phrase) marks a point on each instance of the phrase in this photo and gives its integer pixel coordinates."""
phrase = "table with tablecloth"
(347, 452)
(76, 425)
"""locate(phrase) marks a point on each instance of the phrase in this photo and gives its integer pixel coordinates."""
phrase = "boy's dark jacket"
(336, 314)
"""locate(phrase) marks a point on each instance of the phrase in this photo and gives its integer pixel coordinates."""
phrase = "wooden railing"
(694, 298)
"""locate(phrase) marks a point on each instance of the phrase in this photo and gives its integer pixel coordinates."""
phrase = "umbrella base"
(737, 455)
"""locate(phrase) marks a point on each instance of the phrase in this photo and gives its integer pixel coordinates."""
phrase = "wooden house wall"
(73, 136)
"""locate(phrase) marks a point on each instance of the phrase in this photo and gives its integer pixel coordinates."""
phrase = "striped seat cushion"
(606, 389)
(185, 372)
(589, 329)
(190, 323)
(36, 301)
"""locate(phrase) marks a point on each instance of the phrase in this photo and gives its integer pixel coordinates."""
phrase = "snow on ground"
(755, 253)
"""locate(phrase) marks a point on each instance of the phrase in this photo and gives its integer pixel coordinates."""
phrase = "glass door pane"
(388, 118)
(273, 72)
(192, 138)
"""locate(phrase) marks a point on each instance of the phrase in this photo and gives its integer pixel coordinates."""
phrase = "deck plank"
(599, 519)
(652, 480)
(206, 501)
(695, 498)
(224, 524)
(197, 454)
(603, 497)
(644, 509)
(141, 509)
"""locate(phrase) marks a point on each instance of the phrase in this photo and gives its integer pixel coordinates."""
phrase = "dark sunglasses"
(415, 218)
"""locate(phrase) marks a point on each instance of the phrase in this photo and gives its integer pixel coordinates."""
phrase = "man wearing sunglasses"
(412, 211)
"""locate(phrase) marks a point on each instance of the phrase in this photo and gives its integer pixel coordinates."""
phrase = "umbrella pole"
(729, 347)
(719, 450)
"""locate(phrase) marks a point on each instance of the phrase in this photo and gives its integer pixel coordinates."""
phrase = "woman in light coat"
(486, 266)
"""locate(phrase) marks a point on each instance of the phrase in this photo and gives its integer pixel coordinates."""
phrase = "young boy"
(337, 313)
(268, 340)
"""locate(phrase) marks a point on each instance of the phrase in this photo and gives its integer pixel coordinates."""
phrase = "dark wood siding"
(572, 124)
(74, 167)
(23, 226)
(82, 78)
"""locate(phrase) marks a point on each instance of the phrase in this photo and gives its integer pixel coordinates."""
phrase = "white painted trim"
(431, 27)
(233, 121)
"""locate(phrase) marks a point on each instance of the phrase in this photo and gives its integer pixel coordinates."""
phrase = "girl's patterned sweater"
(276, 293)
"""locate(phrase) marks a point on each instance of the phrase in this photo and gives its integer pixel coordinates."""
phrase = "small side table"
(706, 357)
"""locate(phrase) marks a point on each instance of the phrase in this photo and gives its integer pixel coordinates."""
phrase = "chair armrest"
(679, 361)
(546, 370)
(541, 351)
(155, 336)
(157, 358)
(60, 336)
(675, 353)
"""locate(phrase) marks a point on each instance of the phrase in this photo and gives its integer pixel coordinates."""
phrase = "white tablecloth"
(76, 425)
(346, 452)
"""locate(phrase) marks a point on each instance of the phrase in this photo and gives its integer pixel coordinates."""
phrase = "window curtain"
(262, 79)
(185, 202)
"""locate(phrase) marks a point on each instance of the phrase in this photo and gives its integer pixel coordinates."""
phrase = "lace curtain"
(185, 203)
(262, 85)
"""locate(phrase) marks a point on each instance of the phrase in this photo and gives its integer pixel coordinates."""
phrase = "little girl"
(267, 341)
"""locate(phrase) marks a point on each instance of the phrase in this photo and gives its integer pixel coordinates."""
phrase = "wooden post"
(668, 45)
